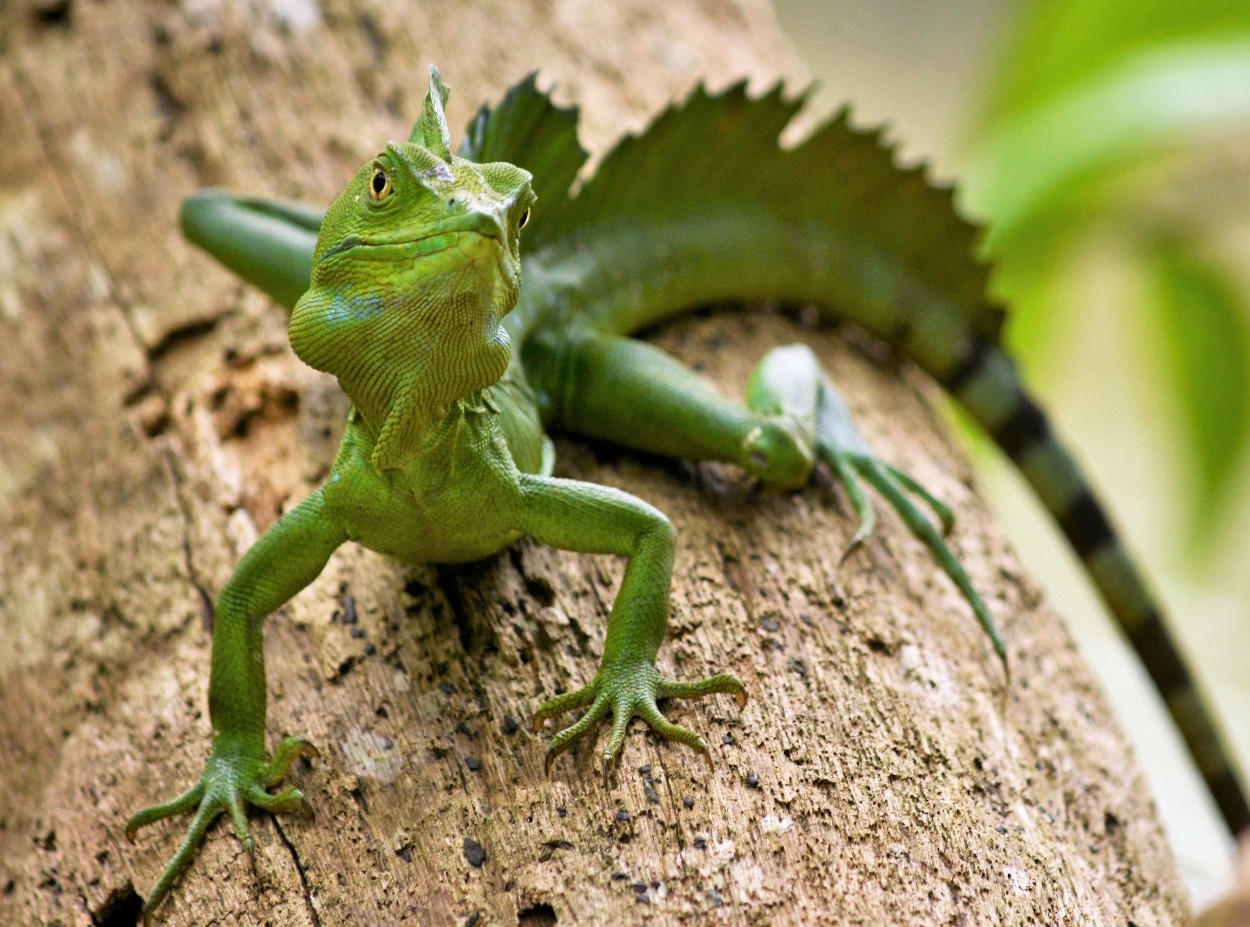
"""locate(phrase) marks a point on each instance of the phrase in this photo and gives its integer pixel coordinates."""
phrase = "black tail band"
(1086, 526)
(1025, 427)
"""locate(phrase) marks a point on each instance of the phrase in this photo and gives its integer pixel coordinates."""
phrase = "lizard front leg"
(589, 518)
(239, 772)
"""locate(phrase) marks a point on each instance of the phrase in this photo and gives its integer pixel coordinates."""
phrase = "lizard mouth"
(458, 232)
(445, 249)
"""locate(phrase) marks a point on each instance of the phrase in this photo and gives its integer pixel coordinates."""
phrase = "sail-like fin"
(718, 153)
(527, 129)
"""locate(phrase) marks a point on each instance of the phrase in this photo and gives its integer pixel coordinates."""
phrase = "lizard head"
(416, 265)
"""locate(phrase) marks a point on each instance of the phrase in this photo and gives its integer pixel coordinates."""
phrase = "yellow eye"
(380, 186)
(524, 220)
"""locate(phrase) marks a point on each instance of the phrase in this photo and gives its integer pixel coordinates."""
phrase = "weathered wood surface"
(154, 422)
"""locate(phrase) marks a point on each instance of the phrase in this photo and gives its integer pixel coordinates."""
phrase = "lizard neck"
(402, 377)
(406, 406)
(441, 434)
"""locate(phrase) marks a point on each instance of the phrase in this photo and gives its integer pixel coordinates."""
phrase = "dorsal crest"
(431, 130)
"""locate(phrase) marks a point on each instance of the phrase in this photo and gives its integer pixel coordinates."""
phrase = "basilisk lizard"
(409, 290)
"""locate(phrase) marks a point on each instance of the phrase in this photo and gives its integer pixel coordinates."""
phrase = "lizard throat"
(404, 362)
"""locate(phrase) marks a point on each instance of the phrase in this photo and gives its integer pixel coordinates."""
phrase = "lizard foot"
(840, 445)
(232, 780)
(630, 691)
(790, 389)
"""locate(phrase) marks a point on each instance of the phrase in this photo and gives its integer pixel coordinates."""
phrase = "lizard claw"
(232, 779)
(629, 692)
(840, 445)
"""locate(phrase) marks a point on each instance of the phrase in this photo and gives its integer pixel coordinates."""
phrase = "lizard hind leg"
(789, 384)
(619, 389)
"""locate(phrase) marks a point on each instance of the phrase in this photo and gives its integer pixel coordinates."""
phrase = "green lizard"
(455, 369)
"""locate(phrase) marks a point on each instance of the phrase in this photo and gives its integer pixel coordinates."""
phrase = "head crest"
(431, 130)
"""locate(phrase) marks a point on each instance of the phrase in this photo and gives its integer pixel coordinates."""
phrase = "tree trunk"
(155, 421)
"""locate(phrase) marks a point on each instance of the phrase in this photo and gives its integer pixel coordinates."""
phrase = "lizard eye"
(380, 186)
(524, 220)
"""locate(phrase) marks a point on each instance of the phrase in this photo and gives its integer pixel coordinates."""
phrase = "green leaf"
(1205, 352)
(1143, 105)
(1058, 44)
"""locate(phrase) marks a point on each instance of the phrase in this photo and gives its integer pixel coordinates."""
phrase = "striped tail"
(986, 383)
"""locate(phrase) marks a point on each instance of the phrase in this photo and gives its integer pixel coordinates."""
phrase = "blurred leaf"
(1060, 43)
(1153, 100)
(1096, 103)
(1031, 280)
(1204, 347)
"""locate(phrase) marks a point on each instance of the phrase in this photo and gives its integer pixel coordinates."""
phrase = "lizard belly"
(459, 501)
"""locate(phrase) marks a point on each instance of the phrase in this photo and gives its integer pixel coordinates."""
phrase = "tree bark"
(155, 422)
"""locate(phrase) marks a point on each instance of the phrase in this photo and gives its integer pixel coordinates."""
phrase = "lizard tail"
(268, 244)
(986, 383)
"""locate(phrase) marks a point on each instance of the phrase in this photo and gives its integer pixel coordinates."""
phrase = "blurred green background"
(1106, 145)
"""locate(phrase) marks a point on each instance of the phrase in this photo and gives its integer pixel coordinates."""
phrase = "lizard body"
(409, 292)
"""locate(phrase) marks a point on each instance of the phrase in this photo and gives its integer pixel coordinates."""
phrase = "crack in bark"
(120, 908)
(188, 559)
(537, 586)
(449, 586)
(180, 334)
(603, 608)
(736, 580)
(299, 868)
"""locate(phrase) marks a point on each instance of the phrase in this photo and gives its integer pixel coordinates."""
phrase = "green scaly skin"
(408, 298)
